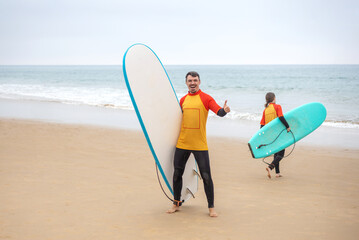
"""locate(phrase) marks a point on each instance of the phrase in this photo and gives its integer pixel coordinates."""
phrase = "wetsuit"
(271, 112)
(193, 139)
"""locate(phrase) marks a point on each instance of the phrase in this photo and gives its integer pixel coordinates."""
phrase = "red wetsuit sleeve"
(263, 119)
(214, 106)
(209, 102)
(182, 100)
(279, 111)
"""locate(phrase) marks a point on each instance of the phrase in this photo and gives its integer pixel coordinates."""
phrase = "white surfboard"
(158, 112)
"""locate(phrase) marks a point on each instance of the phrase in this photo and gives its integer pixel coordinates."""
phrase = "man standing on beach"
(192, 139)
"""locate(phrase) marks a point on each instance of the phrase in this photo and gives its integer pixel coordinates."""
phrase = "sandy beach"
(62, 181)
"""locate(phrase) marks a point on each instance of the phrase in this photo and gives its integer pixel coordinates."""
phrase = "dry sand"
(79, 182)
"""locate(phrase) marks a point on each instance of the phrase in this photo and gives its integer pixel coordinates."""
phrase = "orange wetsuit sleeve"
(209, 103)
(278, 109)
(182, 100)
(214, 106)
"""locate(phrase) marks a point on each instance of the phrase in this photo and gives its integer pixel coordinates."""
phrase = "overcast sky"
(180, 32)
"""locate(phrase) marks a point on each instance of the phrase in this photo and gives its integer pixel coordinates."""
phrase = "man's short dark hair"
(193, 74)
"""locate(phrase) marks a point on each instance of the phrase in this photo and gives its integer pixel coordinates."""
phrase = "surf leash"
(263, 160)
(159, 181)
(263, 145)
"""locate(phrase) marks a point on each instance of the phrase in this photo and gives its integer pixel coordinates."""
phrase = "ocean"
(244, 86)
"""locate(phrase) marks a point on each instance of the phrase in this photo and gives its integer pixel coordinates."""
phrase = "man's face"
(193, 84)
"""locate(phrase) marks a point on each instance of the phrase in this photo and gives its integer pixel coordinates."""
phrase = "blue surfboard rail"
(302, 120)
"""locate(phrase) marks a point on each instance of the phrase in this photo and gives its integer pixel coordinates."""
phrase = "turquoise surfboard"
(302, 120)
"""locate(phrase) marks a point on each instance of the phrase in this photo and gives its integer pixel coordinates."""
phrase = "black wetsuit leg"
(275, 163)
(202, 159)
(180, 160)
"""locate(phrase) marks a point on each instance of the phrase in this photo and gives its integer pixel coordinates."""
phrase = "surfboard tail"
(250, 148)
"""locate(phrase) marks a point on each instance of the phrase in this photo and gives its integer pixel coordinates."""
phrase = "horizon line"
(196, 64)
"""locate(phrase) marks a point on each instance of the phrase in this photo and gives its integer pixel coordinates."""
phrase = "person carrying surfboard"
(271, 112)
(192, 139)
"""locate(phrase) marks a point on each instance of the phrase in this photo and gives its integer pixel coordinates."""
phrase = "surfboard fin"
(197, 173)
(190, 192)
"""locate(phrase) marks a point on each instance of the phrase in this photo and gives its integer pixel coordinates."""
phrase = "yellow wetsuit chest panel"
(270, 113)
(193, 129)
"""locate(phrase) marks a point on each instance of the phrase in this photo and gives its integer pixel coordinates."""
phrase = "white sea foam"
(341, 124)
(105, 97)
(108, 98)
(236, 116)
(243, 86)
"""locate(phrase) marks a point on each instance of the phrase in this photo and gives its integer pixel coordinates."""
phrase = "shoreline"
(243, 130)
(335, 151)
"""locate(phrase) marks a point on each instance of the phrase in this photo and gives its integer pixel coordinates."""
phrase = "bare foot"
(268, 170)
(278, 176)
(212, 212)
(173, 209)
